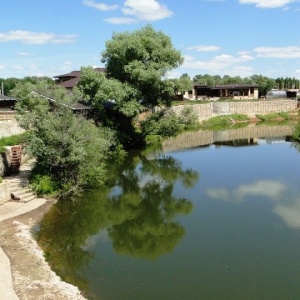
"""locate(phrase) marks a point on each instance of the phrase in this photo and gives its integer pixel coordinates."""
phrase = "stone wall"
(203, 111)
(207, 110)
(262, 107)
(9, 127)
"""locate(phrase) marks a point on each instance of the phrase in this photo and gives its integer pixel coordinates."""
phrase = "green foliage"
(188, 117)
(1, 179)
(43, 185)
(273, 116)
(296, 135)
(10, 83)
(13, 140)
(163, 123)
(153, 139)
(284, 115)
(69, 149)
(141, 59)
(220, 121)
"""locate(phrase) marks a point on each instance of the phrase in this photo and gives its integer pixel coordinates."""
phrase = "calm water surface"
(214, 222)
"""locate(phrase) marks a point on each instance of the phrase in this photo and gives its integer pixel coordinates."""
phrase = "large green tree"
(136, 67)
(142, 59)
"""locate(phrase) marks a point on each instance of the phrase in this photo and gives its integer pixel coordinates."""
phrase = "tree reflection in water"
(137, 208)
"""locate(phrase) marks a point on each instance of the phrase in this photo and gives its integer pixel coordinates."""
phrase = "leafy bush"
(163, 123)
(153, 139)
(43, 185)
(188, 117)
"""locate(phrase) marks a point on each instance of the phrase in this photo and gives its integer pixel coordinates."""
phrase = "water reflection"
(137, 209)
(288, 209)
(240, 231)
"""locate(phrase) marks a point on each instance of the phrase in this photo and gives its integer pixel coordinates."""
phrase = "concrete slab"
(9, 210)
(12, 209)
(6, 284)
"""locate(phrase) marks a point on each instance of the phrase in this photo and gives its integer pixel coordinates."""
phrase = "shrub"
(188, 116)
(163, 123)
(220, 122)
(43, 185)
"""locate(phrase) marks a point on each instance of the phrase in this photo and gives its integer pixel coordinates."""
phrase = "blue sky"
(216, 37)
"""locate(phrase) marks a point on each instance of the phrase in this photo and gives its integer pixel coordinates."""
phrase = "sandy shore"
(31, 275)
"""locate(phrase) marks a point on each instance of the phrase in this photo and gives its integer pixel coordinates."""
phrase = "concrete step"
(21, 192)
(27, 199)
(24, 198)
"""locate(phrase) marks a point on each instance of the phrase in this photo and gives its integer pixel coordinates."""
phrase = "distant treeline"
(264, 83)
(9, 83)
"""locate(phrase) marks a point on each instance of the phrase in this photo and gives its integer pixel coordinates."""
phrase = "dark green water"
(215, 222)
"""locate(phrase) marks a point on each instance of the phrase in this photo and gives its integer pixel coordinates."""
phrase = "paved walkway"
(7, 211)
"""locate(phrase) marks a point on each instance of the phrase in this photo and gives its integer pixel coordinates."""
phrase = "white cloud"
(268, 188)
(146, 10)
(121, 20)
(219, 194)
(287, 209)
(267, 3)
(289, 212)
(33, 67)
(217, 64)
(24, 54)
(204, 48)
(278, 52)
(18, 68)
(2, 67)
(99, 6)
(36, 38)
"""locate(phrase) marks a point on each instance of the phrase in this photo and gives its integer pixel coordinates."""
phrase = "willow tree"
(136, 67)
(142, 59)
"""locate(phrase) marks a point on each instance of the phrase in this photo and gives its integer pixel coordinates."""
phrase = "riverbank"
(25, 274)
(32, 277)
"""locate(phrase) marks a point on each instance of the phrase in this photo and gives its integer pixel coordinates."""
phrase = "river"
(212, 215)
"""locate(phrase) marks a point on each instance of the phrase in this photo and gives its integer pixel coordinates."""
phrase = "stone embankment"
(208, 110)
